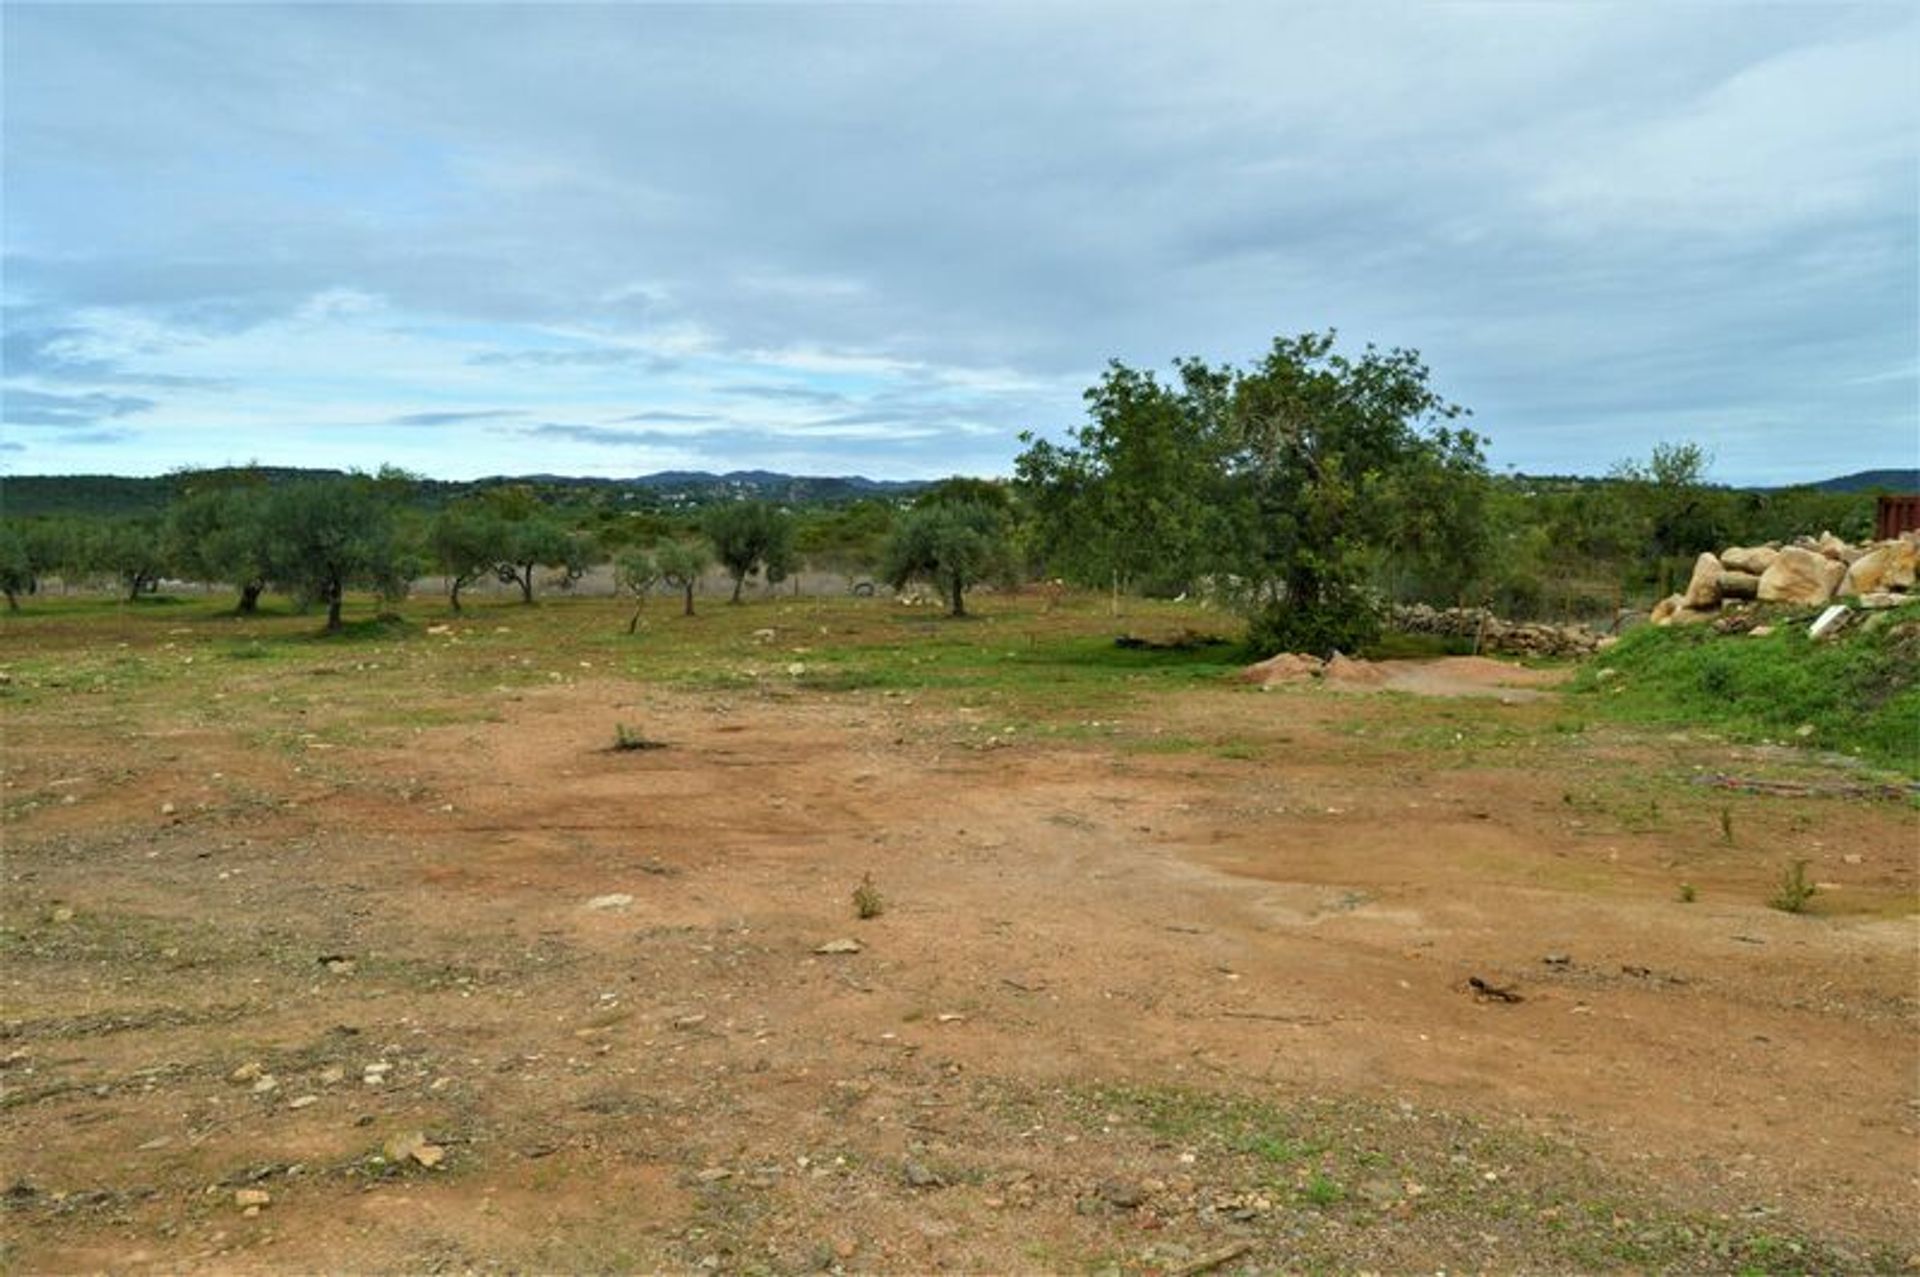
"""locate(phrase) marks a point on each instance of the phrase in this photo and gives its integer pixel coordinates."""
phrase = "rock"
(1663, 611)
(302, 1101)
(332, 1075)
(845, 945)
(920, 1176)
(612, 900)
(1832, 547)
(252, 1197)
(1829, 622)
(1738, 585)
(1760, 631)
(1751, 559)
(1894, 565)
(63, 914)
(689, 1021)
(1122, 1194)
(713, 1175)
(251, 1071)
(1703, 587)
(414, 1146)
(1800, 576)
(1882, 599)
(1692, 616)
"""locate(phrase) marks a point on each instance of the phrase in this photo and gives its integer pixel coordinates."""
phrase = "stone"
(1893, 565)
(920, 1176)
(1829, 622)
(610, 901)
(1882, 599)
(1287, 667)
(1122, 1194)
(414, 1146)
(1800, 576)
(840, 946)
(302, 1101)
(1703, 587)
(251, 1071)
(252, 1198)
(1751, 559)
(1738, 585)
(1664, 610)
(1832, 547)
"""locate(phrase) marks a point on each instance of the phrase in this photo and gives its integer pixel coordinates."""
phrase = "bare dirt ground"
(1186, 982)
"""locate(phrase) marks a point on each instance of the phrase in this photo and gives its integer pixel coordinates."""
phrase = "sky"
(885, 239)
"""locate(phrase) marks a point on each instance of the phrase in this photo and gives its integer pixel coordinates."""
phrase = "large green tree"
(1323, 447)
(750, 537)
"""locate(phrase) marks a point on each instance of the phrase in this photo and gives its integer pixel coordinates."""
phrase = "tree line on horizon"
(1304, 490)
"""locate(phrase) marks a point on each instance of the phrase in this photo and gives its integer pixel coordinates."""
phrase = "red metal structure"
(1896, 514)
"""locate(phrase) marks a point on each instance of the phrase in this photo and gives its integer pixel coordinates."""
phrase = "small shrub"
(1726, 825)
(1688, 894)
(1794, 890)
(867, 901)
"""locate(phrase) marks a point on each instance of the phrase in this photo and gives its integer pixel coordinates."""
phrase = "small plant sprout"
(1794, 890)
(1688, 894)
(867, 902)
(628, 738)
(1726, 825)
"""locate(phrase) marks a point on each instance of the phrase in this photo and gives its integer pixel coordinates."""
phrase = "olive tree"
(325, 536)
(681, 564)
(954, 545)
(750, 537)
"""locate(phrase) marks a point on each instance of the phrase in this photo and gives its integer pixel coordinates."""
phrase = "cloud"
(601, 437)
(22, 407)
(664, 415)
(781, 393)
(602, 357)
(455, 417)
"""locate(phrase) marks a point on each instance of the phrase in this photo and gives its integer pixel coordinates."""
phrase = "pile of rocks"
(1512, 638)
(1807, 572)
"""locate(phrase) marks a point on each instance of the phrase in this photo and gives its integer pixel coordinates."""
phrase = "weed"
(1794, 891)
(867, 901)
(1687, 893)
(1323, 1191)
(1726, 825)
(627, 738)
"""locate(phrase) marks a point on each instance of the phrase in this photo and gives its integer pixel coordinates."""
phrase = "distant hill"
(113, 496)
(1871, 480)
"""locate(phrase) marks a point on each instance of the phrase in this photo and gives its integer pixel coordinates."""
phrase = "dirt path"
(591, 978)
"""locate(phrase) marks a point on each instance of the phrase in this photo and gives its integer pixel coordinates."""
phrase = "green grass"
(1859, 694)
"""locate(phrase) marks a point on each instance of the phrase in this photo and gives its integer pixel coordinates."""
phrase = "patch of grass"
(1688, 893)
(1794, 891)
(1322, 1191)
(1860, 693)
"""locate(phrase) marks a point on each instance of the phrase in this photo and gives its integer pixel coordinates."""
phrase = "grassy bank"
(1859, 694)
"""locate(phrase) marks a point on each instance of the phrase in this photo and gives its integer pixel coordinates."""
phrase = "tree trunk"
(633, 623)
(13, 602)
(688, 588)
(133, 588)
(525, 579)
(333, 608)
(959, 600)
(453, 592)
(739, 580)
(250, 597)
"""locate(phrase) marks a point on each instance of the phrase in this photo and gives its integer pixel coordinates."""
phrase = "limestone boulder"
(1738, 585)
(1703, 587)
(1744, 558)
(1834, 548)
(1664, 610)
(1891, 565)
(1801, 576)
